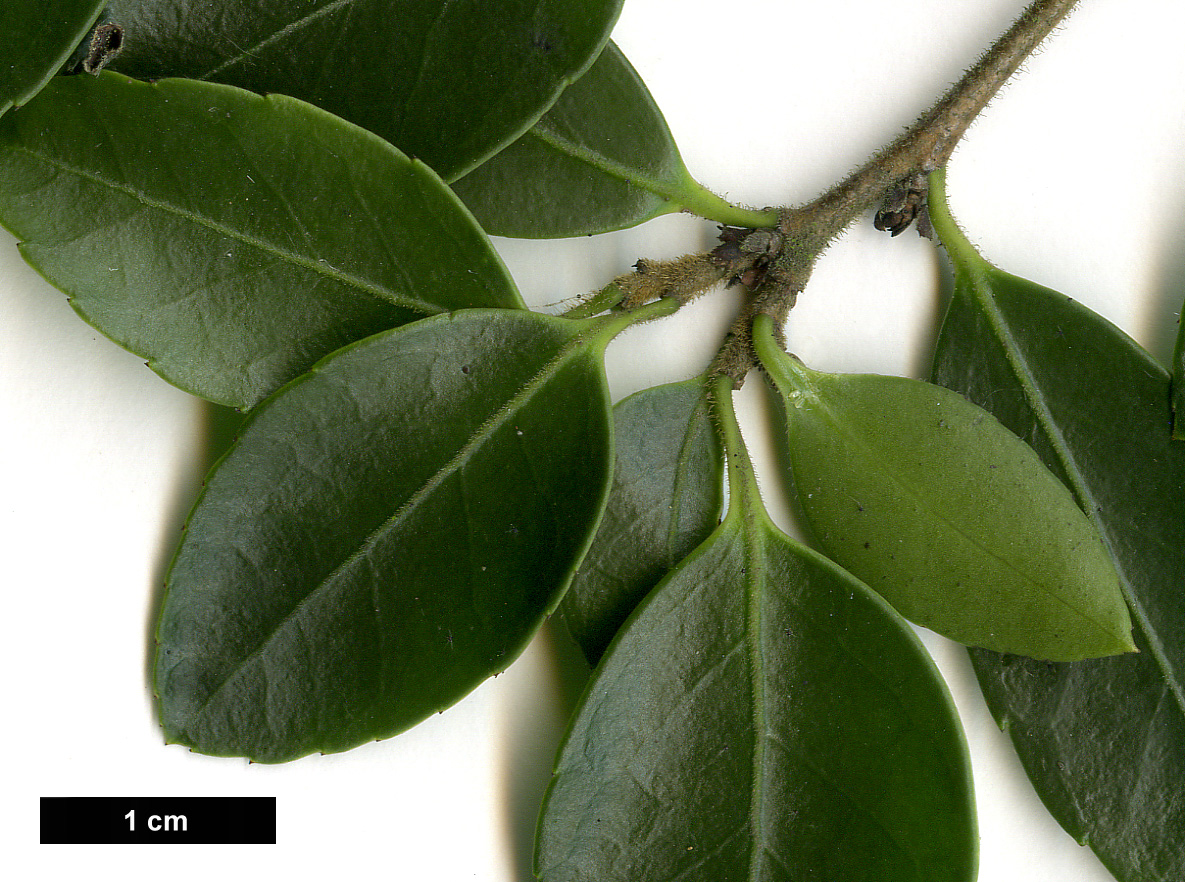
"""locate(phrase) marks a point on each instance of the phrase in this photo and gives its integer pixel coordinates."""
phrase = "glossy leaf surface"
(389, 530)
(232, 240)
(946, 513)
(450, 82)
(602, 158)
(36, 38)
(1104, 740)
(666, 498)
(763, 717)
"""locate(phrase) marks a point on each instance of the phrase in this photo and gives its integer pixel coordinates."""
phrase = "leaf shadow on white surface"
(1167, 285)
(218, 427)
(532, 737)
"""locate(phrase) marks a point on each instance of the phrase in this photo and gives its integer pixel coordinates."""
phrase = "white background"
(1075, 177)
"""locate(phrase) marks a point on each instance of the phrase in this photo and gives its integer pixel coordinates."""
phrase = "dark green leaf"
(389, 530)
(946, 513)
(1103, 741)
(666, 499)
(36, 39)
(601, 159)
(233, 240)
(764, 717)
(450, 82)
(1178, 382)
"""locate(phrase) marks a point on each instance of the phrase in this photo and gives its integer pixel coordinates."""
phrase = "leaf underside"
(389, 530)
(763, 717)
(36, 38)
(450, 82)
(1103, 741)
(602, 158)
(666, 499)
(933, 503)
(230, 239)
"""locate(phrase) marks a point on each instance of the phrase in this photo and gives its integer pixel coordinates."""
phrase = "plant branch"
(896, 173)
(929, 142)
(775, 263)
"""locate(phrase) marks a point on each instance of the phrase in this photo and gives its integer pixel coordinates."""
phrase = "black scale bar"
(99, 820)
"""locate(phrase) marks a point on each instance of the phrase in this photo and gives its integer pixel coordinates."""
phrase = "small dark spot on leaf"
(544, 43)
(464, 368)
(866, 545)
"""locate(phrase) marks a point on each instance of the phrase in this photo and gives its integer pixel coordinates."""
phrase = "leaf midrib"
(275, 37)
(359, 285)
(755, 576)
(752, 527)
(607, 166)
(483, 434)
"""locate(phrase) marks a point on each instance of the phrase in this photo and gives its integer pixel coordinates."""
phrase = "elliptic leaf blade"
(947, 514)
(388, 531)
(449, 82)
(1103, 741)
(666, 499)
(233, 240)
(37, 37)
(602, 158)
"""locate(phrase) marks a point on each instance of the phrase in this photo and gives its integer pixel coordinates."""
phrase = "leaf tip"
(1125, 642)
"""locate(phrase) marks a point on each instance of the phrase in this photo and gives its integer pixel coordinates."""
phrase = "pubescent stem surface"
(929, 142)
(807, 231)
